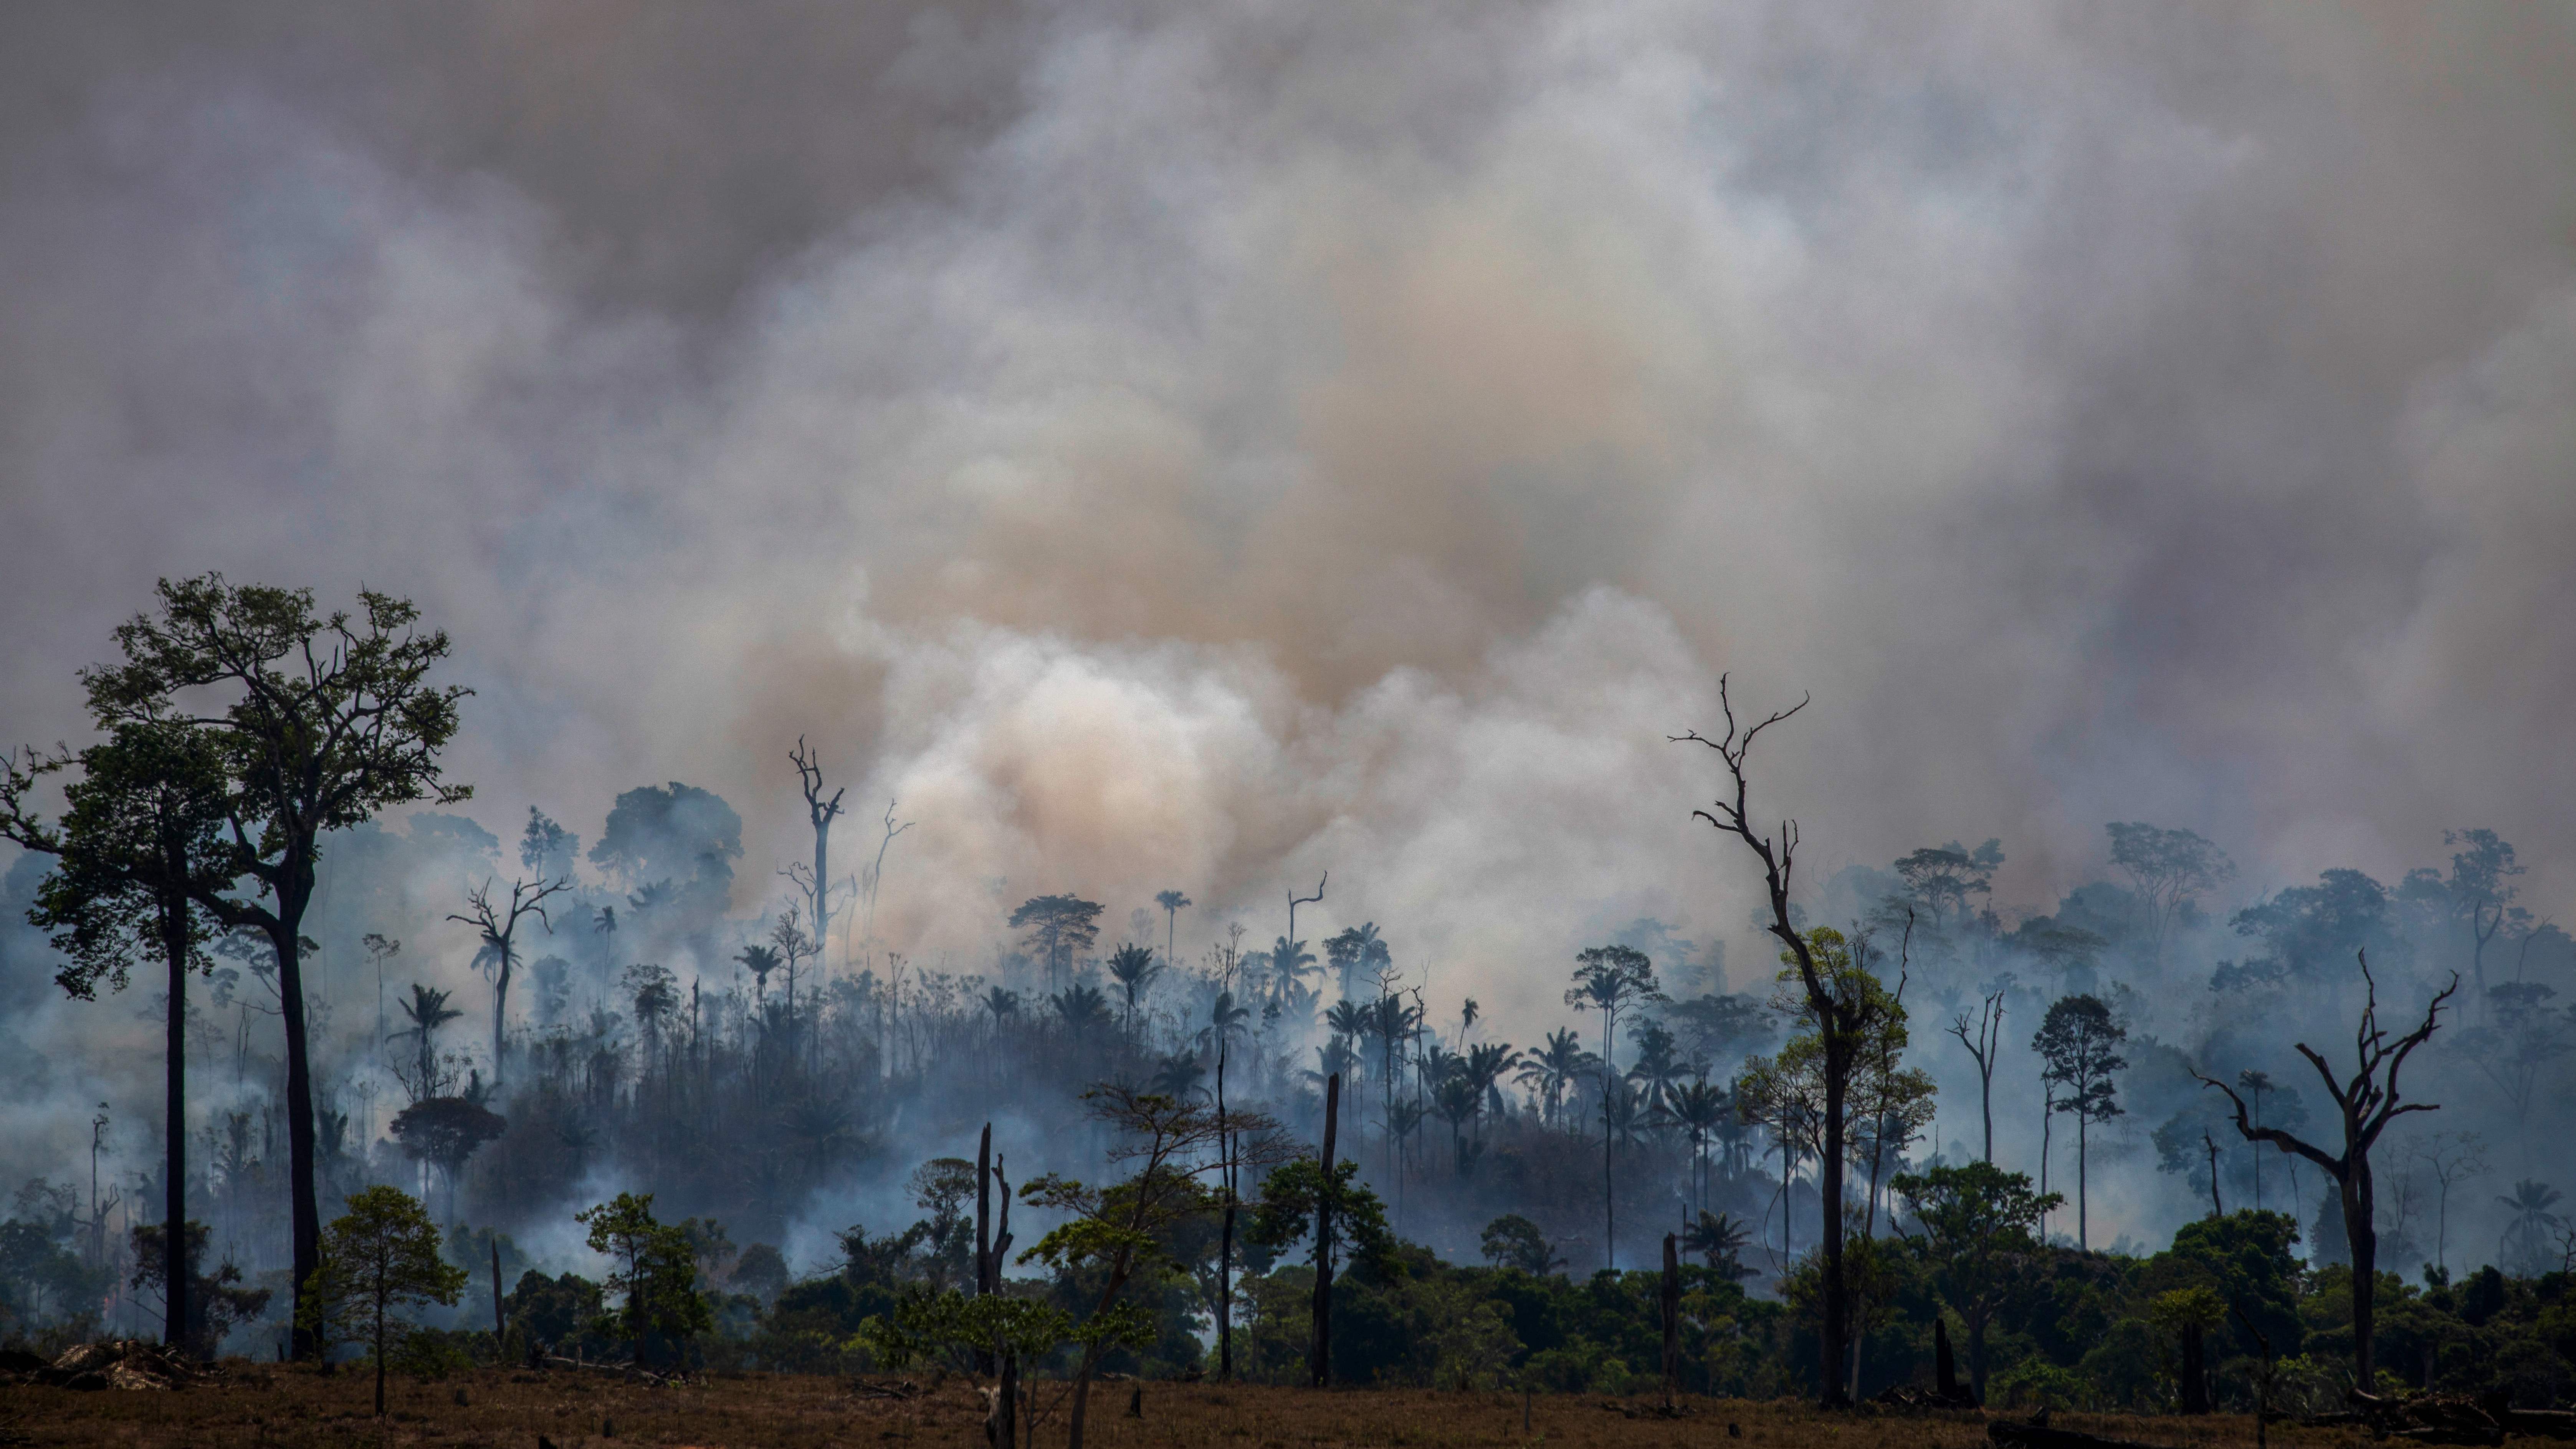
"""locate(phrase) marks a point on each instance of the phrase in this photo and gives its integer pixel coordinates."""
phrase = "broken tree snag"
(1322, 1367)
(1672, 1305)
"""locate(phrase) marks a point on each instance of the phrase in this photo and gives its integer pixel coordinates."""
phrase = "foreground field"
(289, 1408)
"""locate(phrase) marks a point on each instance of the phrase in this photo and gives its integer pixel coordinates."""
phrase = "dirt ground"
(292, 1407)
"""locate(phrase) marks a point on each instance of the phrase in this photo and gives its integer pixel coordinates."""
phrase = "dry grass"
(293, 1407)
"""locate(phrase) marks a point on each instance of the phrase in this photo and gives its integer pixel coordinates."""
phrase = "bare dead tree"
(815, 881)
(2366, 1101)
(876, 868)
(1841, 1024)
(1988, 1025)
(499, 955)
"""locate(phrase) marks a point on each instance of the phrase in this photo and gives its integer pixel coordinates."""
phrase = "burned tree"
(815, 881)
(2366, 1101)
(1842, 1019)
(498, 954)
(1985, 1045)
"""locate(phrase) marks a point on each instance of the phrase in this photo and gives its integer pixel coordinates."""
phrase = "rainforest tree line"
(2328, 1089)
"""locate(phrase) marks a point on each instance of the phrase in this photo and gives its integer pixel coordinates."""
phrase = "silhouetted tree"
(2079, 1041)
(1173, 903)
(2168, 870)
(1610, 980)
(379, 1258)
(498, 954)
(322, 721)
(1841, 1018)
(1058, 928)
(2366, 1101)
(1134, 968)
(1986, 1046)
(141, 839)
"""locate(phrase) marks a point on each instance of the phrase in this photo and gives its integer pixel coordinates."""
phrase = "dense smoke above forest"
(1201, 449)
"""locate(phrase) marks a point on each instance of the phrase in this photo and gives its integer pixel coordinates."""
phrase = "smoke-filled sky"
(1205, 445)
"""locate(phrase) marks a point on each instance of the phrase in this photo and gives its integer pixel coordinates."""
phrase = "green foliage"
(377, 1260)
(1513, 1241)
(655, 1269)
(960, 1331)
(1286, 1214)
(217, 1303)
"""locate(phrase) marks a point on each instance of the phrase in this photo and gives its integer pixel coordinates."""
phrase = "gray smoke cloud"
(1208, 445)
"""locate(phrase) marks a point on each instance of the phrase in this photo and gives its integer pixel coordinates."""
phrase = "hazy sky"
(1202, 445)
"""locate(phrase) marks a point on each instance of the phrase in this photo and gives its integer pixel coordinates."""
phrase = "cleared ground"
(291, 1407)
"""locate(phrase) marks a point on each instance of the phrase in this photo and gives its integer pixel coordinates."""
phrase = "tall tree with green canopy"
(141, 838)
(1979, 1230)
(653, 1265)
(378, 1259)
(2079, 1041)
(2366, 1100)
(320, 721)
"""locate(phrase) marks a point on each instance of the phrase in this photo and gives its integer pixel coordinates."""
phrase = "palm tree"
(1134, 968)
(2525, 1244)
(1612, 980)
(1552, 1068)
(1458, 1101)
(1720, 1238)
(761, 960)
(1179, 1076)
(1226, 1022)
(1356, 951)
(1001, 1003)
(1081, 1008)
(1290, 963)
(427, 1011)
(1700, 1107)
(1486, 1065)
(1173, 903)
(1659, 1067)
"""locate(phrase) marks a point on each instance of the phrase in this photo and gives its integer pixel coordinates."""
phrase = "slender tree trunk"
(1322, 1367)
(1225, 1235)
(380, 1349)
(1672, 1314)
(1838, 1064)
(984, 1213)
(174, 1166)
(498, 1326)
(2083, 1243)
(500, 1009)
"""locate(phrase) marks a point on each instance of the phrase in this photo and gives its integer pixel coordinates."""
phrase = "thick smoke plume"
(1205, 446)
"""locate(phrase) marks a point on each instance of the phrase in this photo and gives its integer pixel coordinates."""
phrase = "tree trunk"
(2363, 1238)
(174, 1166)
(2083, 1242)
(499, 1328)
(1322, 1367)
(1977, 1355)
(2195, 1376)
(1838, 1064)
(1672, 1314)
(1225, 1293)
(1945, 1367)
(294, 892)
(984, 1214)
